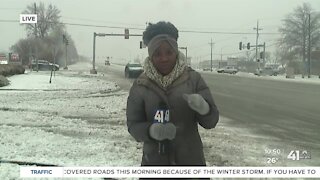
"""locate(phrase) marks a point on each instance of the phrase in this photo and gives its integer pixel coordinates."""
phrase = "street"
(287, 112)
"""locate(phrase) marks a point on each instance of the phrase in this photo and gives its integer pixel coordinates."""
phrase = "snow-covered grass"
(76, 120)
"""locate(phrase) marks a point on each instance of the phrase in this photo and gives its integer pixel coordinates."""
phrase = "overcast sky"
(188, 15)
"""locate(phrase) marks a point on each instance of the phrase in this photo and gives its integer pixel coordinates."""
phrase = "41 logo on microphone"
(162, 116)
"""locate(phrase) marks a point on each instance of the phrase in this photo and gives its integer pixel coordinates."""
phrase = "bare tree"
(48, 19)
(284, 55)
(50, 30)
(295, 32)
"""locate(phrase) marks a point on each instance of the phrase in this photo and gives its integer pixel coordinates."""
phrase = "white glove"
(197, 103)
(160, 131)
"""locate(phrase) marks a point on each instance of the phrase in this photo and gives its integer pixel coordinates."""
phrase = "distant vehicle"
(269, 71)
(133, 70)
(44, 65)
(228, 69)
(206, 69)
(107, 62)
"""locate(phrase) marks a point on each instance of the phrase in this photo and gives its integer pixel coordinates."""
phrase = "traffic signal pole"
(93, 70)
(126, 35)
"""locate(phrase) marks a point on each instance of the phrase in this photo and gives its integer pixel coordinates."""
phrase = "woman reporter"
(167, 102)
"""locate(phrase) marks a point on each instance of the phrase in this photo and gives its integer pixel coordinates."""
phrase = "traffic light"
(261, 55)
(248, 46)
(240, 45)
(126, 33)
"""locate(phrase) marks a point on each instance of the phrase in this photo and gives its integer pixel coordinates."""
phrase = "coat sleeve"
(209, 120)
(137, 123)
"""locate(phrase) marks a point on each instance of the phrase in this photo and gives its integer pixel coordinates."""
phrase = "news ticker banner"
(171, 172)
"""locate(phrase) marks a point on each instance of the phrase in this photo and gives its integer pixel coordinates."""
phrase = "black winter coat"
(144, 99)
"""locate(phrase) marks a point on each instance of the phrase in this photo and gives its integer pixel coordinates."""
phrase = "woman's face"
(164, 58)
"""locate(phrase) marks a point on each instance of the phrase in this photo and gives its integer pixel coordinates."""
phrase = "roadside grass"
(9, 70)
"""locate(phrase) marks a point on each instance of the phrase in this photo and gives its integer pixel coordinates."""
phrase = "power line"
(134, 28)
(102, 26)
(220, 32)
(9, 20)
(99, 21)
(78, 24)
(10, 9)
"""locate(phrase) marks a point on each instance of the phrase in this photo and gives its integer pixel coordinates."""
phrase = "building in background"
(4, 58)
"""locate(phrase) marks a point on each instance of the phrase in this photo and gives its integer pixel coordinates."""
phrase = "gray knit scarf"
(164, 81)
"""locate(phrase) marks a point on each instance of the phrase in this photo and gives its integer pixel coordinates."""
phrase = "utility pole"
(220, 58)
(66, 41)
(211, 44)
(309, 48)
(257, 37)
(54, 59)
(36, 39)
(264, 52)
(66, 62)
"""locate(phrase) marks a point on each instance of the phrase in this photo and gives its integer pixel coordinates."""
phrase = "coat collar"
(147, 82)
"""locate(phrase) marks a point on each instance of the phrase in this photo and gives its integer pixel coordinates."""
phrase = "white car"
(267, 71)
(44, 65)
(228, 69)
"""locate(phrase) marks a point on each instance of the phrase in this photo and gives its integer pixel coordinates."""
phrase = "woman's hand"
(197, 103)
(160, 131)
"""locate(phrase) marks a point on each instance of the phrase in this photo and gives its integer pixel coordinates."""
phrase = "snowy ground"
(79, 120)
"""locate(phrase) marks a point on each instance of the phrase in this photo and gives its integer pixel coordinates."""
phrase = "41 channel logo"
(297, 155)
(161, 116)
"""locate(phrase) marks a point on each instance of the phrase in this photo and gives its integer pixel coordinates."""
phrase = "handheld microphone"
(162, 116)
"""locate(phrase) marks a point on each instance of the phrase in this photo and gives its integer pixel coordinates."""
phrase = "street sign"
(3, 58)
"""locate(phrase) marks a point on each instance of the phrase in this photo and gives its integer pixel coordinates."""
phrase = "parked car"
(133, 70)
(228, 69)
(44, 65)
(269, 71)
